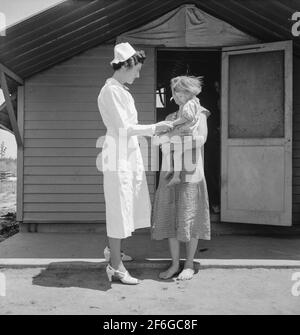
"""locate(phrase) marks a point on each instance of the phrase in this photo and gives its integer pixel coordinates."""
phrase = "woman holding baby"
(180, 211)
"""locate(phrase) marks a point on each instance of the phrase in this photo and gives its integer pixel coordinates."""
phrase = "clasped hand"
(163, 126)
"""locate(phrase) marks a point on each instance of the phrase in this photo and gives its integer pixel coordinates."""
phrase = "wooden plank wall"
(61, 127)
(296, 142)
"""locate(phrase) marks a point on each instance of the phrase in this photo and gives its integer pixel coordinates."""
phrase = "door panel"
(258, 168)
(257, 134)
(261, 89)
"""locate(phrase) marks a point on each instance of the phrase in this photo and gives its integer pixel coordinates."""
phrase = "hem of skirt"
(159, 238)
(129, 234)
(122, 237)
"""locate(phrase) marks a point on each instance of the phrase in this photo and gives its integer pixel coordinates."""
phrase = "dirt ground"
(87, 291)
(8, 225)
(8, 202)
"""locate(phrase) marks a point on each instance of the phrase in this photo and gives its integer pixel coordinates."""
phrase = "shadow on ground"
(93, 276)
(73, 274)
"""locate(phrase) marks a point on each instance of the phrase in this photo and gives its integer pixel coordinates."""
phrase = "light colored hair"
(187, 84)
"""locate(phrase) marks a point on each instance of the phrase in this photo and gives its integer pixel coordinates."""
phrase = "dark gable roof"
(74, 26)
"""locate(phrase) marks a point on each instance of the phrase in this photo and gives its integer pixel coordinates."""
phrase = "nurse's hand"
(163, 126)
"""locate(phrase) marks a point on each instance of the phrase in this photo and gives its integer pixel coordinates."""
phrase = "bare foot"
(173, 181)
(172, 271)
(186, 274)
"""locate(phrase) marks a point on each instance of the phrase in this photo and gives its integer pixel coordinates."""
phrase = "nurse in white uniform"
(126, 192)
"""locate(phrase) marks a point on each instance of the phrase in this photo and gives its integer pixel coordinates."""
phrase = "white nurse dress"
(126, 193)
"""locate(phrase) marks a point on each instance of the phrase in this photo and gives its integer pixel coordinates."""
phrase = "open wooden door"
(256, 168)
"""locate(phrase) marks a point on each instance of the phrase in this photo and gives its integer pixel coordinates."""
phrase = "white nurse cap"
(122, 52)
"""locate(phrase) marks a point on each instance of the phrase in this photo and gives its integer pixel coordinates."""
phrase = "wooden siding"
(296, 143)
(61, 127)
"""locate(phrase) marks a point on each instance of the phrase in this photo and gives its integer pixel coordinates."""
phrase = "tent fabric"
(187, 26)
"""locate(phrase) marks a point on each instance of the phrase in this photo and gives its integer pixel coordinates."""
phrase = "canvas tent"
(187, 26)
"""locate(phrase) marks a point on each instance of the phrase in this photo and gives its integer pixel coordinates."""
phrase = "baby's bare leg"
(177, 161)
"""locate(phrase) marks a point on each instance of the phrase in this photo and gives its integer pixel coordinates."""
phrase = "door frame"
(185, 49)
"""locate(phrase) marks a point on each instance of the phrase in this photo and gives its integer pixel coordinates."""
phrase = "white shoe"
(124, 257)
(124, 277)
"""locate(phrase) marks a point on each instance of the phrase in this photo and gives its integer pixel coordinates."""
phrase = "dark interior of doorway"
(172, 63)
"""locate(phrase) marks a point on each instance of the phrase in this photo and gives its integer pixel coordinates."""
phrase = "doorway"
(176, 62)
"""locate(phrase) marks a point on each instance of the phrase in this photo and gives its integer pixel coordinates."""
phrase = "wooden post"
(11, 74)
(10, 109)
(4, 119)
(20, 160)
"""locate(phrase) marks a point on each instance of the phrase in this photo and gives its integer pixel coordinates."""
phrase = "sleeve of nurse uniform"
(113, 98)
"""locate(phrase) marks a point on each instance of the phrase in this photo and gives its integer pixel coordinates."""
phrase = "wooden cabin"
(54, 64)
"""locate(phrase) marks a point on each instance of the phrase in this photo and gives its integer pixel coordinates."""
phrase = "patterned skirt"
(180, 211)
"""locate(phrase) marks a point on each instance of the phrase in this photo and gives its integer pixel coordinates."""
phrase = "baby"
(184, 91)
